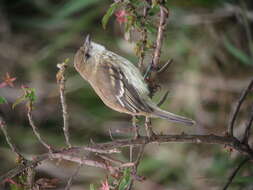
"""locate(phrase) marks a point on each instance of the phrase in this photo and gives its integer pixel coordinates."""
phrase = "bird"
(119, 83)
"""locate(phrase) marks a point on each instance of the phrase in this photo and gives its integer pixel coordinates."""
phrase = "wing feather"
(126, 94)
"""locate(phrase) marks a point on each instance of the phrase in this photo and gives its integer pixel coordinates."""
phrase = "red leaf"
(121, 16)
(7, 81)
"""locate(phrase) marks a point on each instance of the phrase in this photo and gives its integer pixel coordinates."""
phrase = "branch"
(61, 81)
(248, 127)
(159, 139)
(34, 128)
(70, 180)
(231, 177)
(163, 98)
(8, 138)
(164, 14)
(144, 37)
(238, 106)
(165, 66)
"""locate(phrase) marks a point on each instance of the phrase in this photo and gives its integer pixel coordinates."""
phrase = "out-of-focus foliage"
(210, 45)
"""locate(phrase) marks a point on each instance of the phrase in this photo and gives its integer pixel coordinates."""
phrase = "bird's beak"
(87, 41)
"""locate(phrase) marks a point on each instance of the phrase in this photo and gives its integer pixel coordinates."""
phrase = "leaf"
(92, 187)
(108, 14)
(129, 23)
(30, 94)
(18, 101)
(3, 100)
(126, 180)
(152, 29)
(154, 10)
(237, 53)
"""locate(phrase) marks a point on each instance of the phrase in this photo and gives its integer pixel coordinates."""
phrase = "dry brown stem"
(61, 81)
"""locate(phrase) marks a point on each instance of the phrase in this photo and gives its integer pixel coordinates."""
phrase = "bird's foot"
(151, 134)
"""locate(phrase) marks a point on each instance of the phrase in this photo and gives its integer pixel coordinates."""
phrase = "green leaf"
(18, 101)
(3, 100)
(92, 187)
(237, 53)
(126, 180)
(108, 14)
(152, 29)
(30, 94)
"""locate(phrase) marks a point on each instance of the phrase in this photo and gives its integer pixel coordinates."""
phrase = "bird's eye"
(87, 55)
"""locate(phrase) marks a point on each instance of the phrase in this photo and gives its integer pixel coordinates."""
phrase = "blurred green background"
(211, 44)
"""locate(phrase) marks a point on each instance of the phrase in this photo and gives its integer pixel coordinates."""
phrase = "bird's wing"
(124, 91)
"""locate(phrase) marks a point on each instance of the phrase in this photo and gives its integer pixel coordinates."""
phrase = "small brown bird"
(118, 82)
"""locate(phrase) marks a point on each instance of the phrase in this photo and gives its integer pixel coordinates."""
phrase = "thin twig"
(61, 81)
(93, 163)
(163, 98)
(140, 155)
(8, 138)
(70, 180)
(110, 134)
(110, 159)
(164, 14)
(231, 177)
(80, 160)
(148, 127)
(135, 127)
(165, 66)
(248, 127)
(34, 128)
(30, 177)
(99, 150)
(131, 148)
(238, 106)
(136, 164)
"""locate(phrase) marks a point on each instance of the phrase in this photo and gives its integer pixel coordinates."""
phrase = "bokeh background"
(210, 42)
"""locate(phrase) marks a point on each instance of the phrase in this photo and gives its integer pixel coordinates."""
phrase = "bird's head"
(87, 55)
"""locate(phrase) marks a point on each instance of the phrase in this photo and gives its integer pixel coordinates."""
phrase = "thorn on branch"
(165, 66)
(165, 96)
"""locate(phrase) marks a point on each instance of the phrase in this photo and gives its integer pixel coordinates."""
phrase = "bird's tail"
(173, 117)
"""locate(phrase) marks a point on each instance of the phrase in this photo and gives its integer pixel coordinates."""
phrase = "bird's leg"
(148, 127)
(136, 129)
